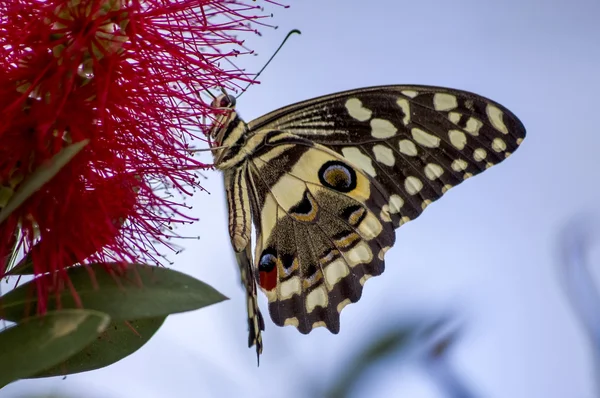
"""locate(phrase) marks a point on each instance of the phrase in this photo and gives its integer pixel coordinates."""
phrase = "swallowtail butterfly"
(327, 181)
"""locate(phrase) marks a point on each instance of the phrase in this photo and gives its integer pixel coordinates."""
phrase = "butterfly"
(326, 182)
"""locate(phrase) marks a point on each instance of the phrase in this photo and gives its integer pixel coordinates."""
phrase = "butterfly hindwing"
(320, 237)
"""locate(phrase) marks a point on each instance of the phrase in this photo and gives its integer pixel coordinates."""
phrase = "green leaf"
(40, 177)
(40, 342)
(119, 340)
(136, 292)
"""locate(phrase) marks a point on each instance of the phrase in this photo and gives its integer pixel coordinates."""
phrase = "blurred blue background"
(487, 253)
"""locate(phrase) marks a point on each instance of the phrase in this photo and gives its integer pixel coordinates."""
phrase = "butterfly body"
(325, 183)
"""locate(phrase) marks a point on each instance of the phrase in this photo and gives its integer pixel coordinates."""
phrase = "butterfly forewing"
(330, 178)
(418, 141)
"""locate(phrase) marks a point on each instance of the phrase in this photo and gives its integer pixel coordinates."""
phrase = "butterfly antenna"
(197, 92)
(211, 94)
(291, 32)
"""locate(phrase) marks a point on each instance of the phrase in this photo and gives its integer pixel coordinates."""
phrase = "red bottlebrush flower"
(121, 74)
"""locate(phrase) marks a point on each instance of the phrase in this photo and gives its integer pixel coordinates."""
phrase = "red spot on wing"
(268, 280)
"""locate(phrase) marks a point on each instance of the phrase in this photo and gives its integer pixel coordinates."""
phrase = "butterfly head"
(224, 123)
(226, 101)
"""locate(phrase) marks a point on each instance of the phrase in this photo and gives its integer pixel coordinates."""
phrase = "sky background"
(488, 250)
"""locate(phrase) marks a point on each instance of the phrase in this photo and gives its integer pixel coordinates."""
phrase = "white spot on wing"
(357, 111)
(495, 115)
(362, 161)
(473, 126)
(498, 145)
(459, 165)
(413, 185)
(457, 138)
(444, 101)
(424, 138)
(408, 147)
(410, 93)
(479, 154)
(365, 278)
(433, 171)
(425, 203)
(384, 214)
(290, 287)
(319, 324)
(344, 303)
(381, 128)
(359, 254)
(405, 106)
(384, 155)
(396, 203)
(382, 252)
(370, 227)
(317, 298)
(335, 271)
(454, 117)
